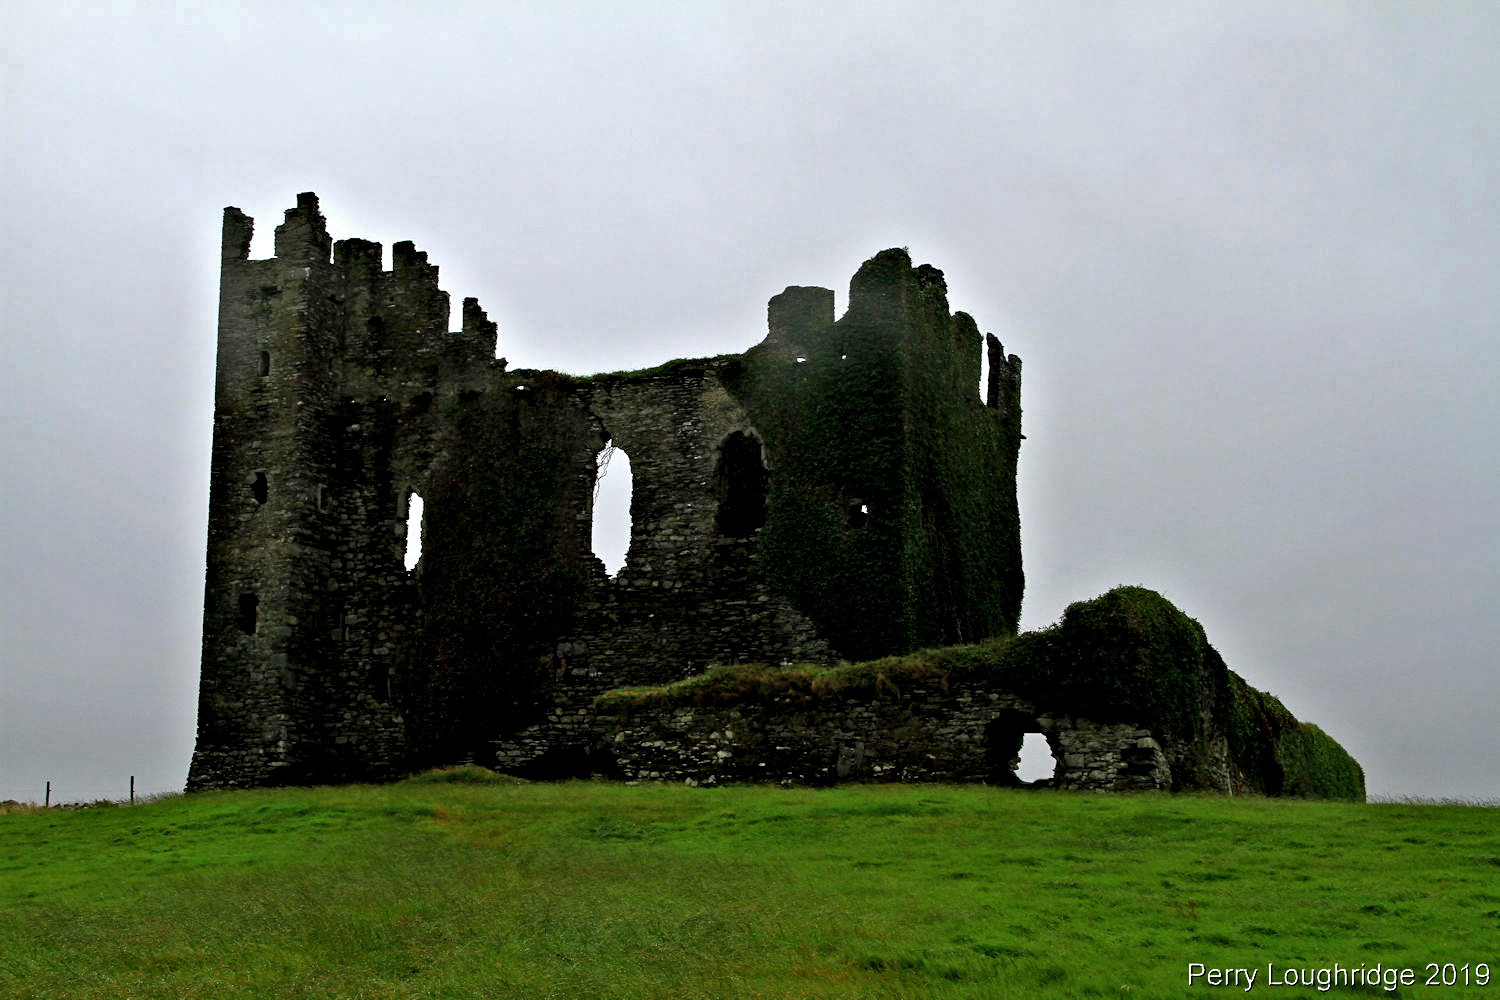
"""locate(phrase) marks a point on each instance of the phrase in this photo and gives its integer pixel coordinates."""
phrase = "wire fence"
(57, 797)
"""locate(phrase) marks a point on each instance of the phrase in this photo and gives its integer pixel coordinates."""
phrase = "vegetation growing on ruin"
(494, 589)
(747, 683)
(888, 466)
(676, 366)
(446, 888)
(1126, 656)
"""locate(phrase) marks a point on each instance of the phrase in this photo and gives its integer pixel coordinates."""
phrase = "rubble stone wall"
(932, 732)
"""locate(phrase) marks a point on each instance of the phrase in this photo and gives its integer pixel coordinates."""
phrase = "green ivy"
(884, 411)
(1126, 656)
(495, 592)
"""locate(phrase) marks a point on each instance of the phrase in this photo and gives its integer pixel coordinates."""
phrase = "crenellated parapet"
(391, 325)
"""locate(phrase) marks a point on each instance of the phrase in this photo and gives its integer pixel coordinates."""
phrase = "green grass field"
(434, 888)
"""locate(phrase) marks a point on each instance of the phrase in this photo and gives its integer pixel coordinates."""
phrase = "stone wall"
(933, 731)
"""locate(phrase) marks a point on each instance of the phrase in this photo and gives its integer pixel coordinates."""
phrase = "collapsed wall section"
(691, 592)
(1126, 689)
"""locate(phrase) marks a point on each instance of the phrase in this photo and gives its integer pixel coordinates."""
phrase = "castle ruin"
(837, 494)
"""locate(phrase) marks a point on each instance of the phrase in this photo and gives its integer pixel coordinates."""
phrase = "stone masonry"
(839, 491)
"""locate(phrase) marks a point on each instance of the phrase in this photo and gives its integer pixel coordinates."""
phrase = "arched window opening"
(414, 529)
(740, 485)
(259, 488)
(1037, 763)
(610, 530)
(265, 363)
(859, 514)
(248, 618)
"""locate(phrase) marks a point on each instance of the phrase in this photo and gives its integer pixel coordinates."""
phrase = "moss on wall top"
(1129, 654)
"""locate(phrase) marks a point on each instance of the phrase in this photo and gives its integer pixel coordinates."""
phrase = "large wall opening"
(1018, 753)
(984, 372)
(610, 537)
(740, 485)
(1037, 762)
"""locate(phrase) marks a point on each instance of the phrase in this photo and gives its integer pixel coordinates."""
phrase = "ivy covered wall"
(503, 569)
(1127, 666)
(891, 518)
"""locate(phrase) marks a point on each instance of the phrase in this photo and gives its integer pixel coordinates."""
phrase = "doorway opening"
(1017, 751)
(1037, 763)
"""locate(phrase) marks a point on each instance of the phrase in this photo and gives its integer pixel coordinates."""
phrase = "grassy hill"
(468, 885)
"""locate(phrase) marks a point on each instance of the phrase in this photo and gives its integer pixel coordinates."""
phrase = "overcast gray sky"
(1247, 251)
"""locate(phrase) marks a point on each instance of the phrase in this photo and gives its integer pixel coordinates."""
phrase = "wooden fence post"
(47, 802)
(132, 789)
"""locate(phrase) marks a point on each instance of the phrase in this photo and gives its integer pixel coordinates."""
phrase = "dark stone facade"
(837, 492)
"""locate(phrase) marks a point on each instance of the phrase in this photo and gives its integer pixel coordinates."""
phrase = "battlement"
(373, 316)
(798, 316)
(303, 237)
(358, 256)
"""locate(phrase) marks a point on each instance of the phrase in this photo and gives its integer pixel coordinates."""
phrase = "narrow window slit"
(415, 526)
(740, 484)
(248, 618)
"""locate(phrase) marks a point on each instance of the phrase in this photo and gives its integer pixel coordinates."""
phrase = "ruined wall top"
(303, 237)
(401, 311)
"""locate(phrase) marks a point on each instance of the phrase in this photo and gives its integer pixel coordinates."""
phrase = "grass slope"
(485, 888)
